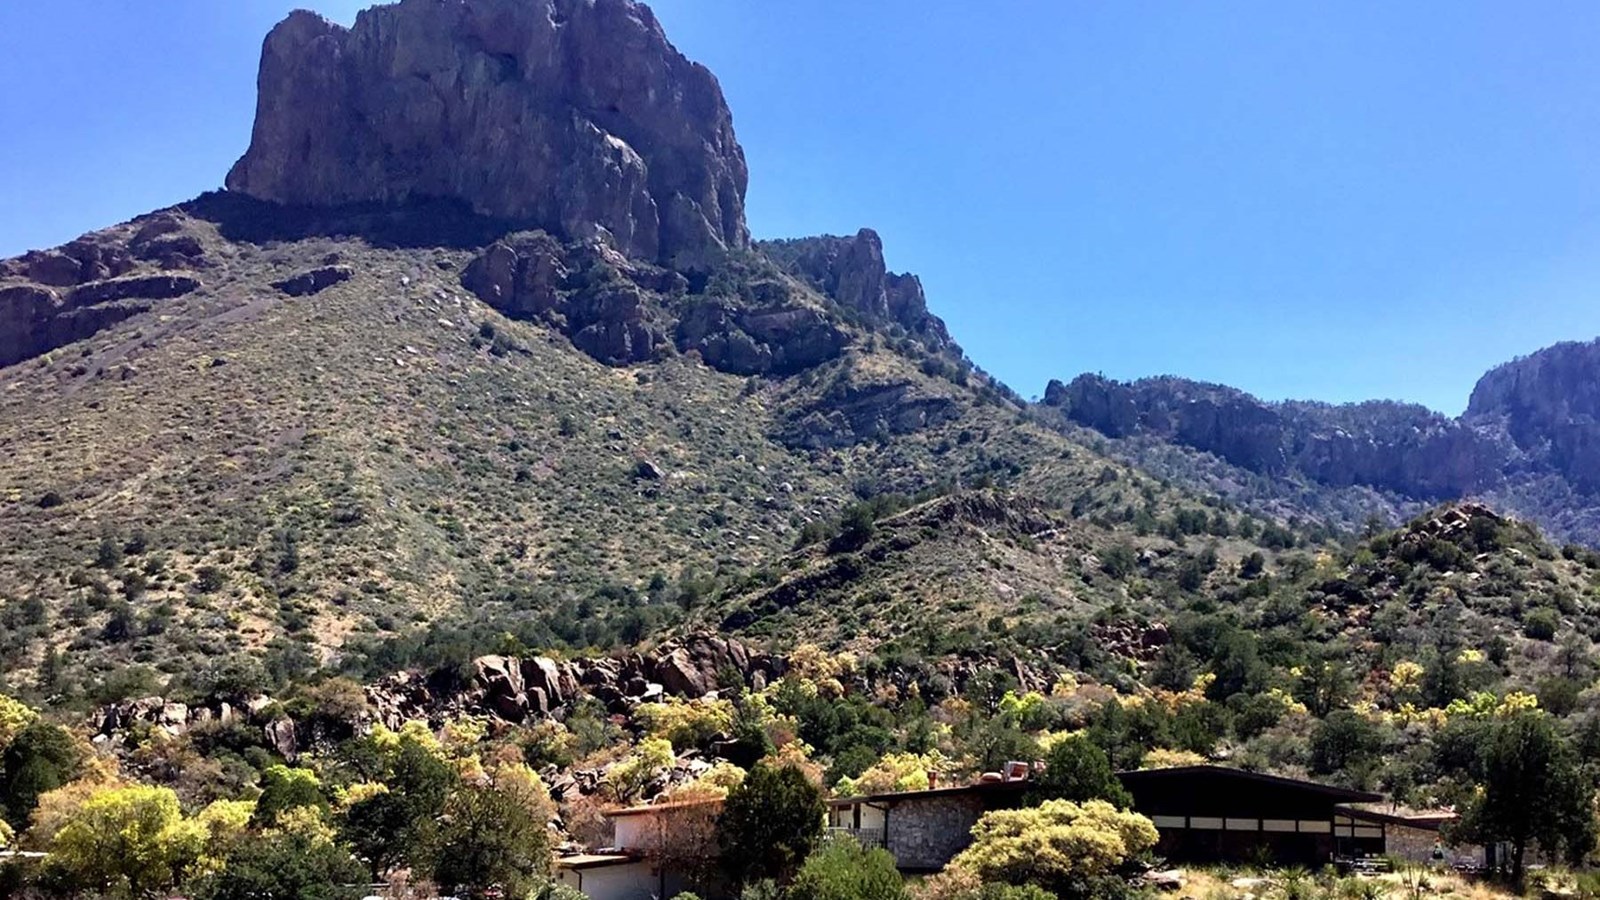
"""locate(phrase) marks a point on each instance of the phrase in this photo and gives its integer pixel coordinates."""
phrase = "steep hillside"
(247, 463)
(354, 414)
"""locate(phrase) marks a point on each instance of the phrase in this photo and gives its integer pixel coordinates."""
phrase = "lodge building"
(1203, 813)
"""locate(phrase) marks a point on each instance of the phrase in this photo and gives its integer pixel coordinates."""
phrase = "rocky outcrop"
(576, 290)
(113, 725)
(623, 312)
(51, 298)
(852, 271)
(1549, 405)
(515, 690)
(138, 287)
(778, 337)
(307, 283)
(1528, 443)
(35, 319)
(1391, 446)
(854, 412)
(576, 116)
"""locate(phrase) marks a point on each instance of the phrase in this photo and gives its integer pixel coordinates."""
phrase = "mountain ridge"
(1527, 442)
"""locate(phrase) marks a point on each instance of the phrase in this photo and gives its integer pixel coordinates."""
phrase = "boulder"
(138, 287)
(173, 718)
(680, 675)
(499, 681)
(553, 680)
(314, 281)
(280, 735)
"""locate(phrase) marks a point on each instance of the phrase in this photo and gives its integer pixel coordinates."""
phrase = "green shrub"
(845, 870)
(1541, 624)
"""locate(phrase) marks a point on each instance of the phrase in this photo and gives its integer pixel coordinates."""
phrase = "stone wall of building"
(925, 833)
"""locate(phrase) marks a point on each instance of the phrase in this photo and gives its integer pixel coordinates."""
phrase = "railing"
(869, 837)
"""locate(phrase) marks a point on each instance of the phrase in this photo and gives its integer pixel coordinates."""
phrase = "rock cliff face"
(623, 312)
(852, 271)
(1529, 440)
(1390, 446)
(576, 116)
(1549, 405)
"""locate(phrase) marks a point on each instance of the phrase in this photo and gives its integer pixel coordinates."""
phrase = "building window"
(1211, 823)
(1169, 821)
(1244, 824)
(1308, 826)
(1277, 825)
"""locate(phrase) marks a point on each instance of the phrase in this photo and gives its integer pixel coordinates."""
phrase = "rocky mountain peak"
(575, 116)
(853, 272)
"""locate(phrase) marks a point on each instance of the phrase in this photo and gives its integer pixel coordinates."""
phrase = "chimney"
(933, 780)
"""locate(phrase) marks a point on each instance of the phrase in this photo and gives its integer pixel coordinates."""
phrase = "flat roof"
(1345, 795)
(1426, 820)
(977, 787)
(658, 807)
(595, 860)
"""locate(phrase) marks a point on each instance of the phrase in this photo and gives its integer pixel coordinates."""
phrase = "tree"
(1065, 847)
(125, 841)
(1541, 624)
(684, 835)
(1344, 739)
(391, 818)
(493, 837)
(629, 778)
(283, 788)
(41, 758)
(1531, 791)
(892, 772)
(1076, 769)
(845, 870)
(297, 862)
(770, 823)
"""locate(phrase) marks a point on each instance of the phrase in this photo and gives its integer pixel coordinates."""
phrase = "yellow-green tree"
(225, 823)
(494, 836)
(284, 788)
(14, 716)
(894, 772)
(628, 779)
(1059, 845)
(126, 841)
(686, 723)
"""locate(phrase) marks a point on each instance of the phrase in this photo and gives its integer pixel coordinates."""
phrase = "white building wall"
(633, 832)
(629, 881)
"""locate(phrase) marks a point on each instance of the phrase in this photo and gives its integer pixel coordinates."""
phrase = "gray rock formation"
(623, 312)
(51, 298)
(1549, 405)
(1392, 446)
(307, 283)
(1529, 441)
(852, 271)
(576, 116)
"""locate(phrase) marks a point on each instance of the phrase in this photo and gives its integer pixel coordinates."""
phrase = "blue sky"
(1335, 201)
